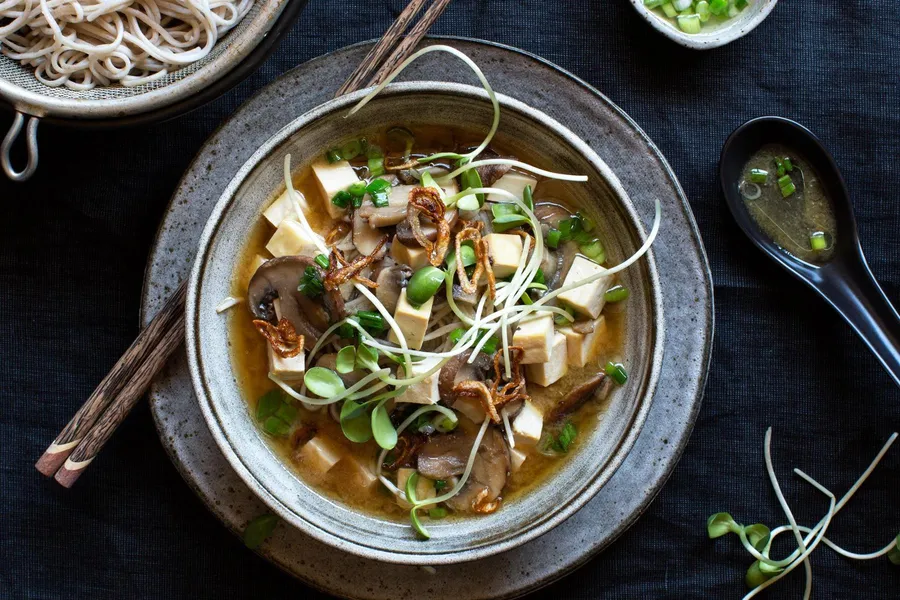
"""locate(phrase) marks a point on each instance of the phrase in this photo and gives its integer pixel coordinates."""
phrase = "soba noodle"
(100, 42)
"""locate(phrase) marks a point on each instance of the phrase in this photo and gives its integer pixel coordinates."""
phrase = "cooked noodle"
(100, 42)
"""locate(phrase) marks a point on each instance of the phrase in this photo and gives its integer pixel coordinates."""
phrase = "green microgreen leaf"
(721, 524)
(311, 284)
(346, 359)
(382, 428)
(275, 426)
(469, 202)
(504, 209)
(758, 535)
(258, 529)
(894, 553)
(506, 222)
(756, 576)
(528, 198)
(565, 438)
(355, 422)
(417, 524)
(323, 382)
(366, 357)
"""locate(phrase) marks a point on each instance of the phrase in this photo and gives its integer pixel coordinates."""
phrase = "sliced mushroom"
(584, 326)
(551, 213)
(565, 255)
(596, 387)
(365, 237)
(488, 477)
(460, 295)
(279, 278)
(391, 280)
(458, 369)
(489, 174)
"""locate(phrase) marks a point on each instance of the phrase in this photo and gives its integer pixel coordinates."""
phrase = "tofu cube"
(320, 454)
(470, 408)
(516, 458)
(505, 251)
(289, 370)
(535, 337)
(414, 257)
(514, 183)
(283, 209)
(333, 178)
(413, 321)
(426, 391)
(528, 424)
(580, 346)
(292, 239)
(424, 487)
(587, 300)
(553, 370)
(361, 472)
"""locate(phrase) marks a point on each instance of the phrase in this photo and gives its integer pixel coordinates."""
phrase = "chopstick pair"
(94, 423)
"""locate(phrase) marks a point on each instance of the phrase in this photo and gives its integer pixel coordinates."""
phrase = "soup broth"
(349, 472)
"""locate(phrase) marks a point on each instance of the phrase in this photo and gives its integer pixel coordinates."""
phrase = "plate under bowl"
(225, 409)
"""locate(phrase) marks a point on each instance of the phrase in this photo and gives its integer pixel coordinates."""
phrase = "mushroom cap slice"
(279, 278)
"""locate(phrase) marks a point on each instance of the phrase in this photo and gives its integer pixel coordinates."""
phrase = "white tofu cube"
(528, 424)
(516, 458)
(424, 487)
(333, 178)
(414, 257)
(553, 370)
(505, 251)
(361, 471)
(470, 408)
(514, 183)
(580, 346)
(292, 239)
(413, 321)
(283, 209)
(320, 454)
(535, 337)
(588, 299)
(289, 370)
(426, 391)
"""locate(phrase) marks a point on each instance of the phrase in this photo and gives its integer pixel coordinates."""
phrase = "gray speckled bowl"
(711, 37)
(245, 447)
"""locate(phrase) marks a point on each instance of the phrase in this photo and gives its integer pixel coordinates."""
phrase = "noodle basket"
(165, 97)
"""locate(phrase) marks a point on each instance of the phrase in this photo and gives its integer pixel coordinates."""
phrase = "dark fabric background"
(73, 244)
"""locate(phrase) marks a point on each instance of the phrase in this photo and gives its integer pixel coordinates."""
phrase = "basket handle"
(30, 140)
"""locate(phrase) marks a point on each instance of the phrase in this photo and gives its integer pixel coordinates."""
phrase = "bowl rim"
(714, 39)
(620, 450)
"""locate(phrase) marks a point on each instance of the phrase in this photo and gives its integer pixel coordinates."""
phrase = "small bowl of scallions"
(704, 24)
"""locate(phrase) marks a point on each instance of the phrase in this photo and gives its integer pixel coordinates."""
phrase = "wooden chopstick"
(380, 50)
(91, 427)
(412, 39)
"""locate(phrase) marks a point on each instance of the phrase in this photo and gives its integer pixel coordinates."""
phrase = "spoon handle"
(861, 301)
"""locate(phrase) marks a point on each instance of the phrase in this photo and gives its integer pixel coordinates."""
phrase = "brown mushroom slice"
(460, 295)
(365, 237)
(407, 237)
(458, 369)
(391, 281)
(597, 386)
(551, 213)
(565, 255)
(490, 472)
(279, 278)
(490, 174)
(445, 456)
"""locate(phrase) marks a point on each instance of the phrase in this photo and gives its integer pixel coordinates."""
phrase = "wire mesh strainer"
(29, 98)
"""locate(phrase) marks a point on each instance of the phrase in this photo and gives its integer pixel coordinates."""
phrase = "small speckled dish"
(714, 36)
(578, 479)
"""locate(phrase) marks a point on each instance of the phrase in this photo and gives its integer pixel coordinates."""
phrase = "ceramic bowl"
(714, 36)
(522, 129)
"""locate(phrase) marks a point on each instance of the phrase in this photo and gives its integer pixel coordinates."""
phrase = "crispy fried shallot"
(339, 232)
(427, 201)
(477, 390)
(484, 506)
(514, 389)
(482, 262)
(283, 338)
(405, 452)
(340, 271)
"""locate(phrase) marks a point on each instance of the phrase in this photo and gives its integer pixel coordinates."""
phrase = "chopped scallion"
(689, 23)
(758, 175)
(322, 261)
(669, 10)
(357, 188)
(616, 293)
(311, 284)
(371, 321)
(376, 166)
(333, 155)
(553, 238)
(817, 240)
(617, 372)
(342, 199)
(351, 149)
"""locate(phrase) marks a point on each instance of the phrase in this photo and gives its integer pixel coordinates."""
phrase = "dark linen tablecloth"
(73, 244)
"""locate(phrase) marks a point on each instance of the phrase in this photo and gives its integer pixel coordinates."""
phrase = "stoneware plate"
(687, 309)
(416, 104)
(711, 36)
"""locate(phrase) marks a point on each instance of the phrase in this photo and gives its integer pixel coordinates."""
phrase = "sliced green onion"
(654, 3)
(351, 149)
(440, 484)
(424, 284)
(894, 553)
(377, 185)
(718, 7)
(594, 250)
(506, 222)
(311, 284)
(528, 197)
(689, 23)
(333, 155)
(342, 199)
(669, 10)
(376, 166)
(817, 240)
(565, 438)
(489, 347)
(702, 9)
(741, 5)
(444, 424)
(617, 372)
(371, 321)
(553, 238)
(526, 299)
(784, 180)
(539, 277)
(357, 188)
(788, 165)
(322, 261)
(758, 175)
(346, 360)
(788, 189)
(561, 320)
(617, 293)
(268, 403)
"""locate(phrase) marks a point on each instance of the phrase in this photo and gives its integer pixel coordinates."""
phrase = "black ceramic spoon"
(845, 281)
